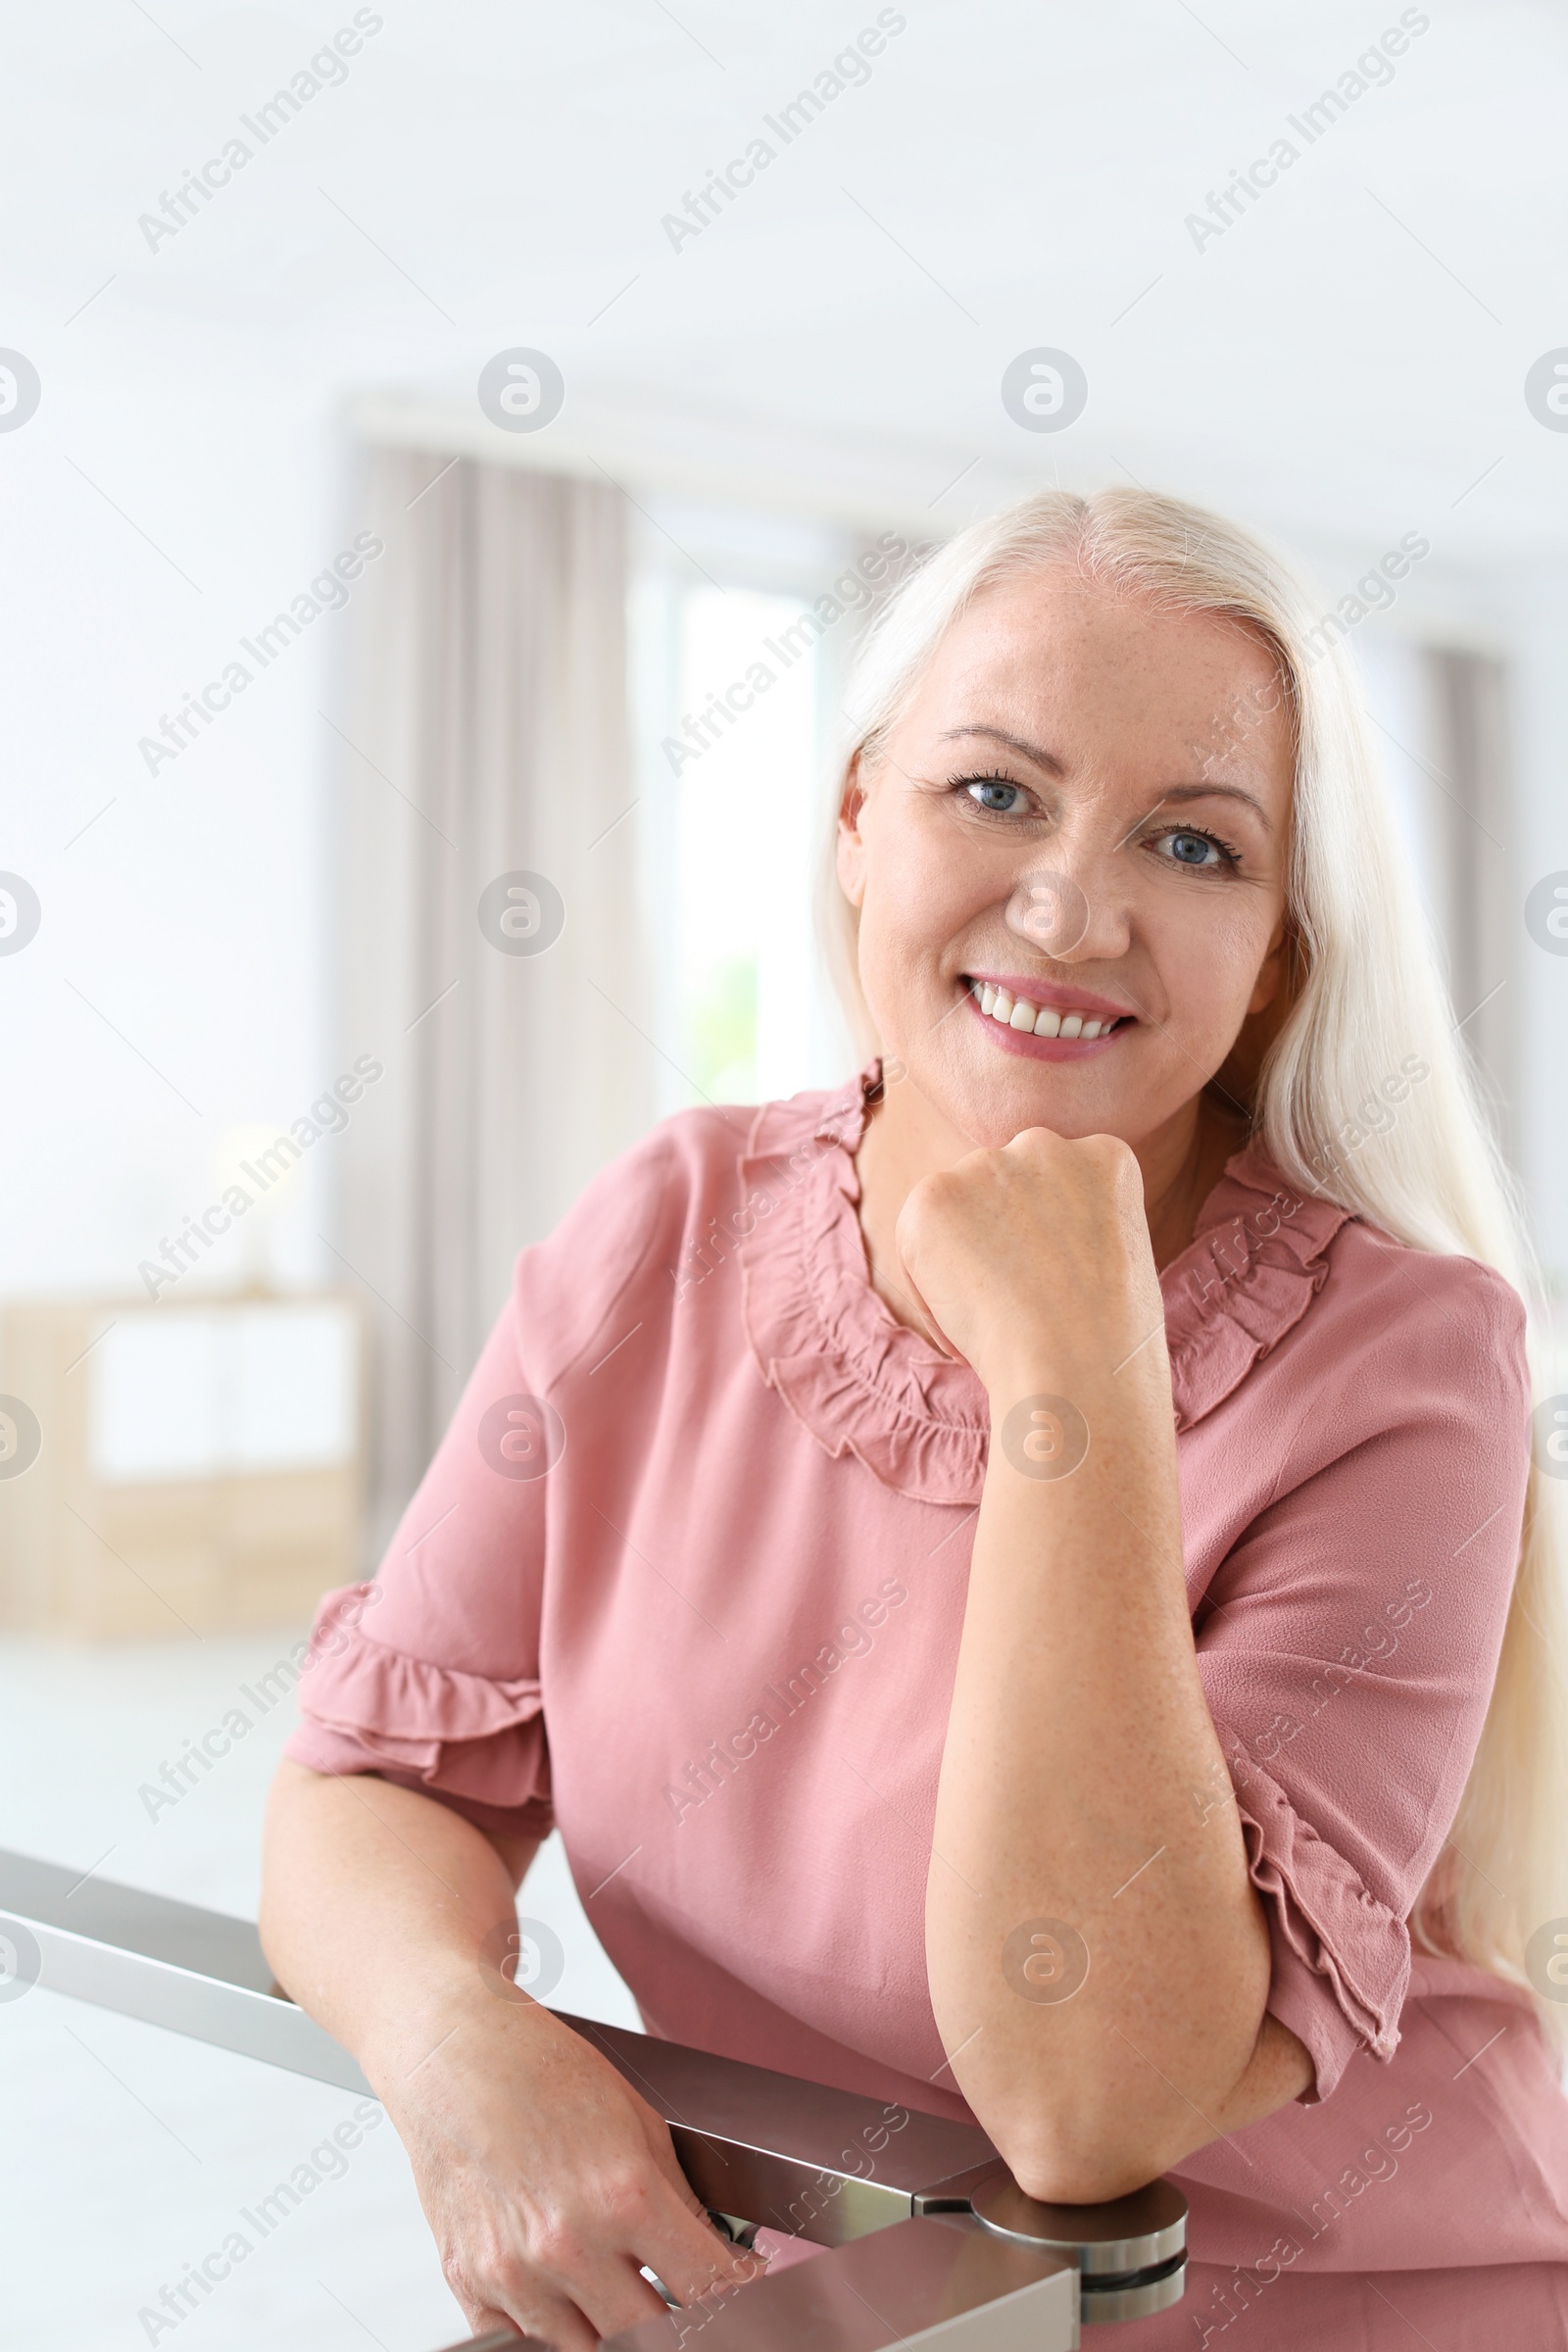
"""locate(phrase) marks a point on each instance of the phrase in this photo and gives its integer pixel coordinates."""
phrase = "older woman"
(997, 1572)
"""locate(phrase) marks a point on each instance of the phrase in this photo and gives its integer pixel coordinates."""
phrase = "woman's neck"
(907, 1139)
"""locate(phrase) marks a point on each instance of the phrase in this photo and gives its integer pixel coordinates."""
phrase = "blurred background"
(447, 458)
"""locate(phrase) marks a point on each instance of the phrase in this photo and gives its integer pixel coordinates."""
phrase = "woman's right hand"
(546, 2180)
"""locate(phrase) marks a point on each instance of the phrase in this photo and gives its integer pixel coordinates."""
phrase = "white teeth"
(1016, 1013)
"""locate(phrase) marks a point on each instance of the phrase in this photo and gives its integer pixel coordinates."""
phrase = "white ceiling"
(1348, 357)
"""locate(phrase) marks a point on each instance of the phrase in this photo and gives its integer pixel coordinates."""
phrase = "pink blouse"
(686, 1579)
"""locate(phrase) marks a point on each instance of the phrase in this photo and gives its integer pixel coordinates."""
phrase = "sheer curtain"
(484, 737)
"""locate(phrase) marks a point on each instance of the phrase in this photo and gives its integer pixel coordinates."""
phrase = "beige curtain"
(484, 732)
(1470, 804)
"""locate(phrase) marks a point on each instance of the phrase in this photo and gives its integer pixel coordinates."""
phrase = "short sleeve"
(429, 1676)
(1349, 1641)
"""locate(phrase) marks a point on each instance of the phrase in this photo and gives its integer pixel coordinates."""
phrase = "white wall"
(185, 910)
(828, 350)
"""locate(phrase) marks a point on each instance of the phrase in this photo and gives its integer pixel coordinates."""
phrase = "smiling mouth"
(1042, 1021)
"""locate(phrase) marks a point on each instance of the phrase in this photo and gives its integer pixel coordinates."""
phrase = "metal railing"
(933, 2243)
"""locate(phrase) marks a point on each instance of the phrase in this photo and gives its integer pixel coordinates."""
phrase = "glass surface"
(130, 2154)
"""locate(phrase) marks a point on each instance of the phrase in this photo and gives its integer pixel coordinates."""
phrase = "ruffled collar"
(865, 1385)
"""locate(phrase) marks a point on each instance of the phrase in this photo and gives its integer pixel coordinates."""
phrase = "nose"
(1048, 911)
(1068, 909)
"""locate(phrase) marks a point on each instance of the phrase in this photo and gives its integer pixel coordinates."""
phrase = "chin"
(991, 1107)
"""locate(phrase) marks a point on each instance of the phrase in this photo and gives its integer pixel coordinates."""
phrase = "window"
(737, 668)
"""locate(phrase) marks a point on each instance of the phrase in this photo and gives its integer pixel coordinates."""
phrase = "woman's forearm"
(1101, 2048)
(374, 1904)
(551, 2186)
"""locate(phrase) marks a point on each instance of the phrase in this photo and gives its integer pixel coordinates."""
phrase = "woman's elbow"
(1087, 2149)
(1079, 2168)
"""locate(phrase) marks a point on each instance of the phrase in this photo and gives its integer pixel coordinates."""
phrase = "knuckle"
(459, 2277)
(624, 2190)
(1036, 1150)
(1116, 1160)
(555, 2244)
(510, 2277)
(474, 2264)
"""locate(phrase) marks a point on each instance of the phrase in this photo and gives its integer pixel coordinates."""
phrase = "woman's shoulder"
(1392, 1293)
(1443, 1289)
(1428, 1342)
(630, 1240)
(1276, 1270)
(700, 1155)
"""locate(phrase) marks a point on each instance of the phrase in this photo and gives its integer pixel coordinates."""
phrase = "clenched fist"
(1034, 1261)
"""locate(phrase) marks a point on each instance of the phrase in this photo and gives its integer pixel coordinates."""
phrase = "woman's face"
(1119, 779)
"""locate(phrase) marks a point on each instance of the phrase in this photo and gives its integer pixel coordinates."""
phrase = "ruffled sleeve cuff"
(479, 1745)
(1342, 1959)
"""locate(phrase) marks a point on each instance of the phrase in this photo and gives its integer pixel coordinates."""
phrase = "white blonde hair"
(1361, 944)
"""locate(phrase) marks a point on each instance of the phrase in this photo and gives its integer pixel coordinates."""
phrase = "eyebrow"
(1224, 792)
(1014, 743)
(1053, 765)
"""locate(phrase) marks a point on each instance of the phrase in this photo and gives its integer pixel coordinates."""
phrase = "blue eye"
(995, 795)
(1198, 852)
(1189, 849)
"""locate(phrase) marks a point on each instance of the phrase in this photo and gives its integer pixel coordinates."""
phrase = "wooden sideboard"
(197, 1464)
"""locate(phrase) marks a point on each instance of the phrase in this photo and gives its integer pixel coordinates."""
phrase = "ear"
(851, 851)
